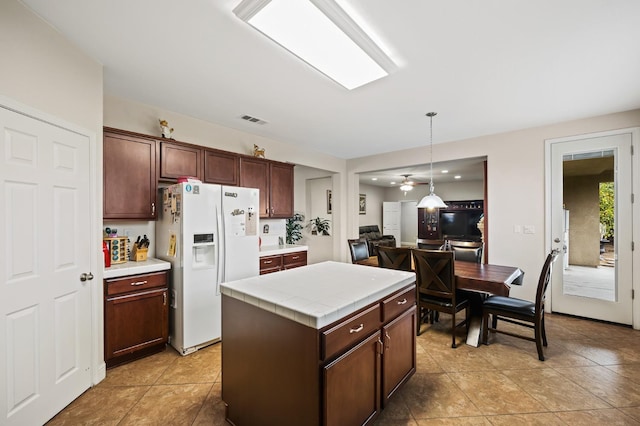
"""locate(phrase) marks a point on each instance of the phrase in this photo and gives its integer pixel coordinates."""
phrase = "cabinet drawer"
(298, 258)
(135, 283)
(271, 262)
(350, 331)
(398, 302)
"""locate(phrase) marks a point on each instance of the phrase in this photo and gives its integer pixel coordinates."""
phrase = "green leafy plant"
(294, 228)
(319, 226)
(607, 208)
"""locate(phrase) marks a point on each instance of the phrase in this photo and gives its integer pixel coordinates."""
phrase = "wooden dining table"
(482, 279)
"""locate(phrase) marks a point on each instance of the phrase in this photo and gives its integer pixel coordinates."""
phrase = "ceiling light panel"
(316, 32)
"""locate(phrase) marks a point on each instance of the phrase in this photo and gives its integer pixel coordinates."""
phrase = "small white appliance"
(209, 233)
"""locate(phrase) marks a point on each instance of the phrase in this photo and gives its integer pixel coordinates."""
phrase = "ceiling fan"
(406, 184)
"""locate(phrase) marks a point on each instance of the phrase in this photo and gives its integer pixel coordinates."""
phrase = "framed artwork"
(329, 207)
(362, 204)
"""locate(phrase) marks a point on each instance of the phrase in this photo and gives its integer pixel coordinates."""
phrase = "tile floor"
(591, 376)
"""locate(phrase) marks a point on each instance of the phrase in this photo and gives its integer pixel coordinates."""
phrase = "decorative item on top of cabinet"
(129, 175)
(177, 159)
(136, 316)
(258, 152)
(275, 182)
(166, 130)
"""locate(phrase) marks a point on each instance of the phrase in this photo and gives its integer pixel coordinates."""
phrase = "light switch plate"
(529, 229)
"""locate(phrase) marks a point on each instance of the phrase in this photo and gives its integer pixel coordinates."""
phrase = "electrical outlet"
(127, 233)
(517, 229)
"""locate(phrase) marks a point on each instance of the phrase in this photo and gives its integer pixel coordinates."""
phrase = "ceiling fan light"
(406, 187)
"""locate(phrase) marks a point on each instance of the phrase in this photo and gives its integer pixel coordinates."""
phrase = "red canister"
(105, 252)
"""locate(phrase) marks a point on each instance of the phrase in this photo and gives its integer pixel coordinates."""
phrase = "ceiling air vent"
(253, 119)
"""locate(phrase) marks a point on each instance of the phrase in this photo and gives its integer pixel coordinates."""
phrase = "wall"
(515, 181)
(582, 199)
(374, 198)
(408, 222)
(320, 246)
(44, 71)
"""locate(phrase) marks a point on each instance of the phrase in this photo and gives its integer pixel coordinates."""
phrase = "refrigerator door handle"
(220, 249)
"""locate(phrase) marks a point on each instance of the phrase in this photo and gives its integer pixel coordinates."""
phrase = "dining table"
(482, 280)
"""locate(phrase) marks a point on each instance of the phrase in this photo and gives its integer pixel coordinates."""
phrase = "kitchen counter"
(134, 268)
(318, 294)
(284, 249)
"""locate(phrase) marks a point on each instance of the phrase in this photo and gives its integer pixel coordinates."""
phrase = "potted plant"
(294, 228)
(319, 226)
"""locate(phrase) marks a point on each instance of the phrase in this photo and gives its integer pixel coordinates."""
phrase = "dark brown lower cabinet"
(277, 371)
(136, 315)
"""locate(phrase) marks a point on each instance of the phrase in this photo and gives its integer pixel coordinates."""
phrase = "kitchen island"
(323, 344)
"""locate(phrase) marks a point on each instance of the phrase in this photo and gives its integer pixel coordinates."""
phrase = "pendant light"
(431, 201)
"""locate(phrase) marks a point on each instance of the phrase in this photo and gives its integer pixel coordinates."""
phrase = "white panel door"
(391, 220)
(45, 309)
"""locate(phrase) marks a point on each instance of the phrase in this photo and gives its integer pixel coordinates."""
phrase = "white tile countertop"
(319, 294)
(284, 249)
(134, 268)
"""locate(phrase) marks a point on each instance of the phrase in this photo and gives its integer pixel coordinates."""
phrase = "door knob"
(86, 277)
(556, 240)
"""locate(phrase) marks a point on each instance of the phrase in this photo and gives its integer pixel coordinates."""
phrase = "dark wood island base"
(277, 371)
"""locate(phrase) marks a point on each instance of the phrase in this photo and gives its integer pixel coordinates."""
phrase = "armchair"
(374, 238)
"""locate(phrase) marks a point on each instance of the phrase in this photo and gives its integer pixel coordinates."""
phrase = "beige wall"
(515, 180)
(44, 71)
(582, 199)
(374, 199)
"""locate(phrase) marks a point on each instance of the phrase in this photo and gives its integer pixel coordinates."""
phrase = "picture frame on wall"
(329, 205)
(362, 204)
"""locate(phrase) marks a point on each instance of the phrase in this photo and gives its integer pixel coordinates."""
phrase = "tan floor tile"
(463, 358)
(494, 393)
(554, 391)
(633, 412)
(394, 422)
(610, 417)
(606, 384)
(202, 366)
(100, 406)
(436, 395)
(630, 371)
(456, 421)
(145, 371)
(505, 356)
(597, 351)
(169, 405)
(532, 419)
(213, 410)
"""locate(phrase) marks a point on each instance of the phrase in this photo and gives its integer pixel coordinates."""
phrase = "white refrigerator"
(209, 233)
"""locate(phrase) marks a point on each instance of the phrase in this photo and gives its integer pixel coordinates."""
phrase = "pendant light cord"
(430, 115)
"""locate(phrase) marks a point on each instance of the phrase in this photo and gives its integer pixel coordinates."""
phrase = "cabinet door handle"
(164, 299)
(139, 283)
(153, 208)
(357, 330)
(387, 339)
(402, 302)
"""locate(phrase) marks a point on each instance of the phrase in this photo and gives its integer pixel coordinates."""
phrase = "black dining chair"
(395, 258)
(359, 250)
(430, 244)
(436, 288)
(519, 311)
(469, 251)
